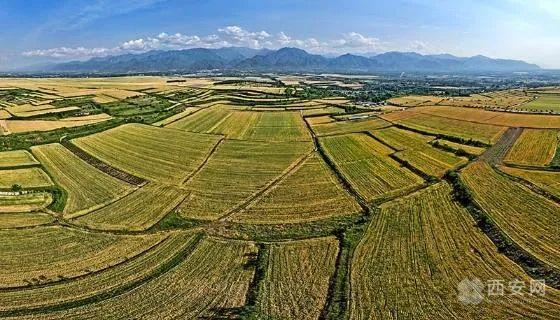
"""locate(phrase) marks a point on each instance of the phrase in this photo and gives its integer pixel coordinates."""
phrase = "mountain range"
(285, 60)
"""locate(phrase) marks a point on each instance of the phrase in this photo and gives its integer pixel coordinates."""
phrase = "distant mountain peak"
(288, 59)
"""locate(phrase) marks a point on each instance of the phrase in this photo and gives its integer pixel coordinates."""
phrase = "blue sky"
(38, 31)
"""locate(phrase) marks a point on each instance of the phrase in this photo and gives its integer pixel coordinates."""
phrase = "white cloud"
(64, 52)
(224, 37)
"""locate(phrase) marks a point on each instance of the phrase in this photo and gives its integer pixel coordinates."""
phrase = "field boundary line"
(292, 168)
(189, 177)
(103, 166)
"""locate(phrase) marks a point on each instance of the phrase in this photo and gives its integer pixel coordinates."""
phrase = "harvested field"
(29, 202)
(19, 126)
(156, 154)
(50, 254)
(295, 286)
(135, 270)
(344, 127)
(414, 256)
(211, 280)
(137, 211)
(431, 161)
(237, 170)
(85, 186)
(529, 219)
(365, 164)
(311, 192)
(401, 140)
(506, 119)
(24, 220)
(462, 129)
(534, 148)
(18, 158)
(25, 178)
(44, 111)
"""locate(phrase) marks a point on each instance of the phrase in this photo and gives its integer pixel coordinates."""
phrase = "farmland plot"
(431, 161)
(24, 220)
(28, 202)
(25, 178)
(50, 254)
(457, 146)
(279, 126)
(137, 211)
(213, 278)
(135, 270)
(16, 159)
(418, 250)
(297, 278)
(86, 187)
(310, 193)
(204, 120)
(156, 154)
(534, 147)
(350, 126)
(462, 129)
(236, 171)
(546, 180)
(528, 219)
(365, 164)
(400, 139)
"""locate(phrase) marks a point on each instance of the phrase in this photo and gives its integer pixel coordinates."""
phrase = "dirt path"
(496, 153)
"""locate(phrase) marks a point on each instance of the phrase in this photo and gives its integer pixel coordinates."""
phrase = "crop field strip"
(451, 127)
(413, 148)
(549, 181)
(350, 126)
(483, 117)
(51, 254)
(138, 211)
(27, 202)
(85, 186)
(366, 165)
(19, 220)
(295, 287)
(246, 125)
(156, 154)
(26, 178)
(476, 151)
(236, 171)
(19, 158)
(533, 148)
(415, 253)
(214, 278)
(528, 219)
(311, 192)
(102, 284)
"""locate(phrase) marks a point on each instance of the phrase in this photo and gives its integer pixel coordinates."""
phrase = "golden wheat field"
(221, 197)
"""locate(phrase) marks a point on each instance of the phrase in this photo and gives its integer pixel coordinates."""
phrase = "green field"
(547, 102)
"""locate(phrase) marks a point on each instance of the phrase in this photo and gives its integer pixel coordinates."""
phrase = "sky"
(43, 31)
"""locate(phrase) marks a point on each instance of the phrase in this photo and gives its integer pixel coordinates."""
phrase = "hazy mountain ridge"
(286, 60)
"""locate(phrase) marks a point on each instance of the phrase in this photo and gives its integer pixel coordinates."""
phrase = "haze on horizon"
(38, 31)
